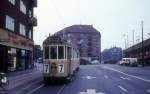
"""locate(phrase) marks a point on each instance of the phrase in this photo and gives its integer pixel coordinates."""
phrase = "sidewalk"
(21, 81)
(16, 73)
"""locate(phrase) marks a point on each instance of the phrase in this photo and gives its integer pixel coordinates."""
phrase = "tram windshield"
(55, 52)
(61, 52)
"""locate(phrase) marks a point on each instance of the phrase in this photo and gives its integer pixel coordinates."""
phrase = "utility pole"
(133, 36)
(125, 43)
(143, 63)
(128, 43)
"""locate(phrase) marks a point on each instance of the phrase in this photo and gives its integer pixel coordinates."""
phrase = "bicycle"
(4, 82)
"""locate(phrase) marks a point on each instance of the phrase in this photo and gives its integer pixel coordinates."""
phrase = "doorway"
(3, 59)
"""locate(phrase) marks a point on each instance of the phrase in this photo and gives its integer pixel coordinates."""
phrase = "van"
(129, 62)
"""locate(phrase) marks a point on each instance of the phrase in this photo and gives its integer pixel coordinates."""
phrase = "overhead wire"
(60, 16)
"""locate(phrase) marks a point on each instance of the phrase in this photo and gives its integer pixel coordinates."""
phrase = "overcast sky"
(112, 18)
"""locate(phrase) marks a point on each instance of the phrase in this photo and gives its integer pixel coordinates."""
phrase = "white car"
(95, 62)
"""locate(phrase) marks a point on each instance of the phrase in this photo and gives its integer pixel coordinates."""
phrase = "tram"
(61, 59)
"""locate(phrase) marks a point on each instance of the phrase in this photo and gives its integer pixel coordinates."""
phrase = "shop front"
(16, 52)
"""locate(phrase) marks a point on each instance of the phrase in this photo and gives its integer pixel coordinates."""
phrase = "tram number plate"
(46, 68)
(61, 68)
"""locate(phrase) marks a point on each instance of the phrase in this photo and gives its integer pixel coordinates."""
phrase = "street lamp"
(125, 43)
(133, 36)
(142, 46)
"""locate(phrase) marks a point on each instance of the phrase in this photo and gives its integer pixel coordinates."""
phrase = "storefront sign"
(15, 40)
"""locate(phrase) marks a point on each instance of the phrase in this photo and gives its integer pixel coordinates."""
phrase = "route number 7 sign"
(46, 68)
(61, 68)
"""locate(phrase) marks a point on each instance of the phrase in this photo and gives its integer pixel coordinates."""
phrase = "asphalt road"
(101, 79)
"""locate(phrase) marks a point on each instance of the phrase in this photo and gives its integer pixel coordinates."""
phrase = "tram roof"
(55, 40)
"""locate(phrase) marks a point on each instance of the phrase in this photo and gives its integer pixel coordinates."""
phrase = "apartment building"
(86, 38)
(16, 34)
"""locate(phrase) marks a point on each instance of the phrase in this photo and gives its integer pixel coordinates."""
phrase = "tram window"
(69, 53)
(46, 53)
(53, 52)
(60, 52)
(65, 52)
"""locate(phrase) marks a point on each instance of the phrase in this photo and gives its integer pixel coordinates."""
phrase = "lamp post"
(143, 63)
(133, 36)
(125, 42)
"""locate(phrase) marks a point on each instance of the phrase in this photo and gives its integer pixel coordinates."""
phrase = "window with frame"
(30, 34)
(22, 7)
(60, 52)
(22, 29)
(12, 1)
(46, 52)
(10, 23)
(30, 14)
(53, 52)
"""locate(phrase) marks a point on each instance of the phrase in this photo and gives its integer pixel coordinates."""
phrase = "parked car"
(95, 62)
(129, 62)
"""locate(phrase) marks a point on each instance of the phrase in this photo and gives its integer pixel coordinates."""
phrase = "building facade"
(112, 55)
(37, 52)
(86, 38)
(142, 53)
(16, 34)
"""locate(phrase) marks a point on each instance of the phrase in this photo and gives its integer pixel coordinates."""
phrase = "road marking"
(91, 91)
(146, 80)
(125, 78)
(148, 90)
(60, 90)
(122, 88)
(35, 89)
(89, 77)
(105, 76)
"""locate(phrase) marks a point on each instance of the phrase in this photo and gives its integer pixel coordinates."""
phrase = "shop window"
(60, 52)
(53, 52)
(12, 59)
(22, 52)
(46, 53)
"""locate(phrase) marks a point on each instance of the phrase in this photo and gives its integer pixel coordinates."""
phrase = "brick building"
(86, 38)
(16, 34)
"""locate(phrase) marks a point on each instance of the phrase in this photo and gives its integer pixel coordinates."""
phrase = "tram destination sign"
(54, 39)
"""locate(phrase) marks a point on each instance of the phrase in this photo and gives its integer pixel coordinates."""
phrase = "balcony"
(34, 3)
(33, 21)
